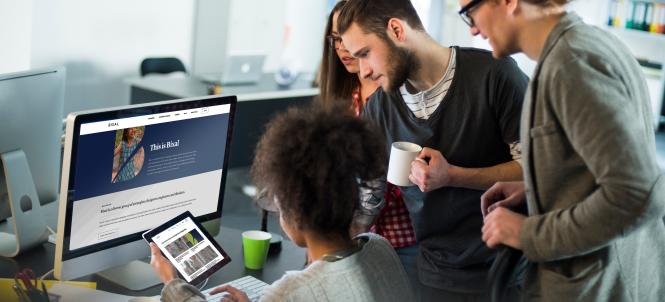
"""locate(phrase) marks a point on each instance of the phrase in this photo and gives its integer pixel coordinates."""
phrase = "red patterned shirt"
(394, 222)
(357, 104)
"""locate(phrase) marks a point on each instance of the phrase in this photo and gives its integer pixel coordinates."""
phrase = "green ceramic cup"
(255, 246)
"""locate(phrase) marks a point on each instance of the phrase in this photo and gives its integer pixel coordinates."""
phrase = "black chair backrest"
(161, 65)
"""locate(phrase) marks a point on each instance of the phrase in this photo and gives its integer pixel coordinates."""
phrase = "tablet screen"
(188, 249)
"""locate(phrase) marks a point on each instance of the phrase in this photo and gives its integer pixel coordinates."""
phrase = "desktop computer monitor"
(127, 170)
(31, 116)
(31, 105)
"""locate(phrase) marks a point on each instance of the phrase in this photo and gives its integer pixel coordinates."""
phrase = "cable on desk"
(205, 282)
(50, 230)
(41, 279)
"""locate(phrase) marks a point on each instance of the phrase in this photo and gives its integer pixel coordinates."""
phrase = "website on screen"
(135, 173)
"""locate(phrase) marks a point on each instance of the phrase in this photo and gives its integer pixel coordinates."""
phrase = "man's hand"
(503, 226)
(161, 265)
(232, 294)
(432, 174)
(502, 194)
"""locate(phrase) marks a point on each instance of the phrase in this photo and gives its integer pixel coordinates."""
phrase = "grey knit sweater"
(372, 274)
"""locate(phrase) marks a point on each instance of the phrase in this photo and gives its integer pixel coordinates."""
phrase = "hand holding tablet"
(188, 247)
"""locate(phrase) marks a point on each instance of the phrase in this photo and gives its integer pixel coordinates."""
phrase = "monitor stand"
(135, 275)
(25, 227)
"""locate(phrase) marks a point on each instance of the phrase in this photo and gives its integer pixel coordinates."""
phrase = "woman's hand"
(161, 265)
(232, 294)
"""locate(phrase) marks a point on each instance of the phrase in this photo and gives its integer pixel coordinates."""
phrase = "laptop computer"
(239, 69)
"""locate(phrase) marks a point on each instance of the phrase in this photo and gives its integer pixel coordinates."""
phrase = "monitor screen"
(131, 170)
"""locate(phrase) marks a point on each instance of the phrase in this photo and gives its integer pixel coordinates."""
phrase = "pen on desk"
(46, 299)
(22, 296)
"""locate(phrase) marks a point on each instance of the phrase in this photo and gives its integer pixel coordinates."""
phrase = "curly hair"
(312, 160)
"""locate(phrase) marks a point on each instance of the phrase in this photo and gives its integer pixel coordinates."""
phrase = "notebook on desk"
(238, 69)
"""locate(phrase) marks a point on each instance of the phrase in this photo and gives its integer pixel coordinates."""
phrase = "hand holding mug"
(430, 170)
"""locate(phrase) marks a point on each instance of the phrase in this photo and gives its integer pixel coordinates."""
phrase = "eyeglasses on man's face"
(466, 10)
(335, 42)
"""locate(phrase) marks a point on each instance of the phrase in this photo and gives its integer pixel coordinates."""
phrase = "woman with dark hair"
(313, 164)
(339, 77)
(340, 80)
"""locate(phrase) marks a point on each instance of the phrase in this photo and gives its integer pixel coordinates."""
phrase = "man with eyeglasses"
(466, 10)
(463, 106)
(594, 190)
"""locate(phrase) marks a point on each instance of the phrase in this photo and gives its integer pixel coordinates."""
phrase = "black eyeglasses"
(464, 12)
(334, 42)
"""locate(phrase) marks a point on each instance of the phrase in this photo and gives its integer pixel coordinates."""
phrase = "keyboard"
(251, 286)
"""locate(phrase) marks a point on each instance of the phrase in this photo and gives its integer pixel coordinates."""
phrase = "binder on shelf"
(620, 13)
(648, 15)
(655, 11)
(661, 19)
(630, 14)
(638, 16)
(612, 13)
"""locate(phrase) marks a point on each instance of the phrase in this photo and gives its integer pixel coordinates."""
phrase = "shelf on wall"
(636, 33)
(646, 45)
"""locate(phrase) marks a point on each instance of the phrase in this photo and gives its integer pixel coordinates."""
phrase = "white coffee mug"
(399, 166)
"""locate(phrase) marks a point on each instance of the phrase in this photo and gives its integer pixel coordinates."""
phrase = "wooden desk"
(290, 258)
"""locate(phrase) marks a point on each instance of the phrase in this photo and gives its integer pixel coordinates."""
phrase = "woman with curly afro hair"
(313, 163)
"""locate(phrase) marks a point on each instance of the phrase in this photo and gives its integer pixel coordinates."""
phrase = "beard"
(402, 64)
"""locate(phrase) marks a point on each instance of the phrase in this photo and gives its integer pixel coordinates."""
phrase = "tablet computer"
(187, 245)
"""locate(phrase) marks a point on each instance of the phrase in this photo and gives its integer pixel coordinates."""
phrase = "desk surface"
(191, 86)
(290, 258)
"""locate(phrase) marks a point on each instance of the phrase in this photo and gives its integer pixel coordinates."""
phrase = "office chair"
(161, 65)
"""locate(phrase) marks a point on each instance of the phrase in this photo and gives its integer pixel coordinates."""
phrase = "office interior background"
(102, 43)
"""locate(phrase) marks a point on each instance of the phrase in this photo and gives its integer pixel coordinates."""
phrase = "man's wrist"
(454, 176)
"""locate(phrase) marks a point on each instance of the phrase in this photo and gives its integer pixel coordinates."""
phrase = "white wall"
(15, 31)
(257, 27)
(210, 36)
(102, 42)
(290, 32)
(306, 21)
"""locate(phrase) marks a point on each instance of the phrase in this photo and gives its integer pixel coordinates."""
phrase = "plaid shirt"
(394, 222)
